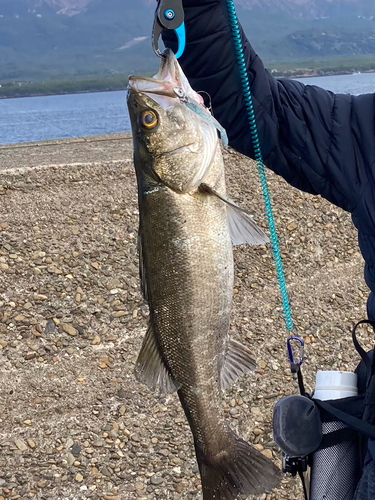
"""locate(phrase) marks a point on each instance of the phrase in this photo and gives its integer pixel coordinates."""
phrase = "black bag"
(358, 414)
(312, 426)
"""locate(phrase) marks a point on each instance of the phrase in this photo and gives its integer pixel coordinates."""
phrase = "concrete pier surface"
(74, 422)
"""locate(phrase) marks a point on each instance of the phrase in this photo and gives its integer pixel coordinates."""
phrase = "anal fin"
(242, 228)
(238, 361)
(150, 368)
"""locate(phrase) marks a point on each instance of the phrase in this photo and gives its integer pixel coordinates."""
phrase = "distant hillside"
(60, 38)
(308, 9)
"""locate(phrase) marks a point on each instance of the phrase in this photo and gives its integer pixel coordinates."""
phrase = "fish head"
(174, 144)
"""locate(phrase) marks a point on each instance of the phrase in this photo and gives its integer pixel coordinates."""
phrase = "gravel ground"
(75, 423)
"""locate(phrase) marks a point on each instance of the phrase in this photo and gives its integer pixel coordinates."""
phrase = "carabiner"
(290, 351)
(169, 15)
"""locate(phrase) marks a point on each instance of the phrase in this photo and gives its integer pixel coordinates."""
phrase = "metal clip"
(169, 15)
(290, 351)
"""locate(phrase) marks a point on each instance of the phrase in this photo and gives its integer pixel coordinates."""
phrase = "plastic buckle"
(294, 465)
(169, 15)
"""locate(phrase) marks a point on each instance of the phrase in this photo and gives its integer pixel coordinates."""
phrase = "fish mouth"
(162, 87)
(164, 82)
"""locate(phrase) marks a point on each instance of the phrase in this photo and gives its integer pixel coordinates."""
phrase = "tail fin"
(243, 470)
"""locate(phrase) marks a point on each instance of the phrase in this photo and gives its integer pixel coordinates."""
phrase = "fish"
(187, 226)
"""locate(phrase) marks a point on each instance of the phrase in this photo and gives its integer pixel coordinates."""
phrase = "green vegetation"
(64, 86)
(100, 83)
(329, 66)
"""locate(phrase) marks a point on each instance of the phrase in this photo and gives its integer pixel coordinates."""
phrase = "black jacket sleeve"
(317, 141)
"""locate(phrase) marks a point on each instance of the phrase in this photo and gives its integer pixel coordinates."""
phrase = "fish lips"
(161, 88)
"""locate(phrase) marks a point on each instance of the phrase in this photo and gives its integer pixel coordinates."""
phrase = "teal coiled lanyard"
(176, 15)
(259, 160)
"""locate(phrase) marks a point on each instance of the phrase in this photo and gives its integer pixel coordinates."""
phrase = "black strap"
(296, 368)
(356, 423)
(336, 437)
(370, 366)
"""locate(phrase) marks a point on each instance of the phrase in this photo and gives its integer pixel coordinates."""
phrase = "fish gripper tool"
(169, 15)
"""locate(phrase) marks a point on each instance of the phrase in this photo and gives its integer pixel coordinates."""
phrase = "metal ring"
(169, 14)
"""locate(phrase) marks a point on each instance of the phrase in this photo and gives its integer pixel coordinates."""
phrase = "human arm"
(319, 142)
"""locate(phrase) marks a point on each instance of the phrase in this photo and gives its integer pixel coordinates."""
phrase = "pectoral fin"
(150, 368)
(242, 228)
(238, 360)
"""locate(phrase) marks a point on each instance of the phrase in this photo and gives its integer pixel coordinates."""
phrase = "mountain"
(56, 38)
(311, 9)
(308, 9)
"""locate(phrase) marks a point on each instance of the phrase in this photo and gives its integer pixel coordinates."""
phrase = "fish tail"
(237, 470)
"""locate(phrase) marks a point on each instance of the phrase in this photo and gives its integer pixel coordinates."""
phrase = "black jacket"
(319, 142)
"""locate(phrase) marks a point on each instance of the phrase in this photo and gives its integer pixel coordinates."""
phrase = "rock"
(39, 296)
(50, 327)
(30, 355)
(31, 443)
(69, 443)
(267, 453)
(262, 364)
(156, 480)
(115, 283)
(70, 458)
(69, 329)
(96, 340)
(79, 478)
(139, 486)
(21, 445)
(121, 394)
(75, 449)
(119, 314)
(106, 471)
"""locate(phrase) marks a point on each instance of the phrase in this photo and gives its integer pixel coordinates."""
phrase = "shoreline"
(284, 74)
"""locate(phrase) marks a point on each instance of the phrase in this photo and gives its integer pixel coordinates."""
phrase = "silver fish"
(187, 227)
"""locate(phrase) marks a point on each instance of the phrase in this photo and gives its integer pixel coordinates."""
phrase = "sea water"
(52, 117)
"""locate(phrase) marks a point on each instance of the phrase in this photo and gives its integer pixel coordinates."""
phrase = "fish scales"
(187, 227)
(190, 287)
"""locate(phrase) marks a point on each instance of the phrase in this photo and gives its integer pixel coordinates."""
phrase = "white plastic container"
(333, 470)
(335, 385)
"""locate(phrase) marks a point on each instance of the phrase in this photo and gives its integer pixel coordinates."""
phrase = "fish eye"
(148, 119)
